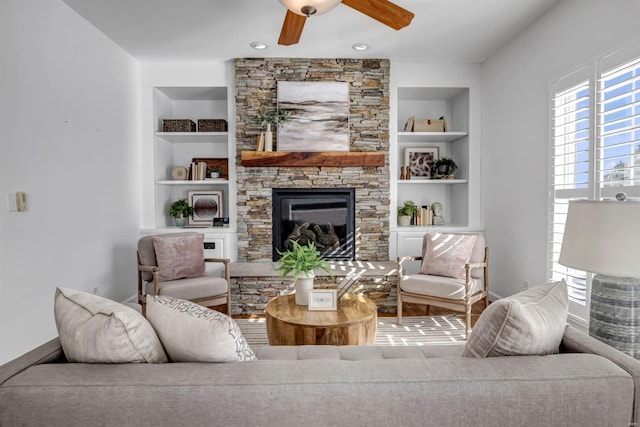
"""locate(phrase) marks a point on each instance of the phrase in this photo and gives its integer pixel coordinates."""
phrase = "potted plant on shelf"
(301, 261)
(180, 210)
(215, 172)
(445, 167)
(406, 212)
(265, 118)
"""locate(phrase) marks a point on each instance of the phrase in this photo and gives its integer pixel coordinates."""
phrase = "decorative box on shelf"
(178, 125)
(212, 125)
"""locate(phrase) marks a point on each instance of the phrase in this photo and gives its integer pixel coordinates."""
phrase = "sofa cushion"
(180, 255)
(531, 322)
(93, 329)
(446, 254)
(192, 333)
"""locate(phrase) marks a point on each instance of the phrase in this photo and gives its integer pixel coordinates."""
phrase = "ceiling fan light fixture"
(258, 45)
(310, 7)
(360, 46)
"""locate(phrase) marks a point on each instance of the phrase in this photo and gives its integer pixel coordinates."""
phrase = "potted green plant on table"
(301, 261)
(406, 212)
(445, 168)
(180, 210)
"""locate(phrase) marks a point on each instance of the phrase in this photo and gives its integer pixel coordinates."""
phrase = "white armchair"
(453, 274)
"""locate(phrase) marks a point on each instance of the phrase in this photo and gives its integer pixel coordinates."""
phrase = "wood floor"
(421, 310)
(408, 310)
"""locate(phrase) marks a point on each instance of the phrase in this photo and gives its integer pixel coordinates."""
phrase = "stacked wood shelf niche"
(302, 159)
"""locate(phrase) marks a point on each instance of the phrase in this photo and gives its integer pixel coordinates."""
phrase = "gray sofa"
(587, 384)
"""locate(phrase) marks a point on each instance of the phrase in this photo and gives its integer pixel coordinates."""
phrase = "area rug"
(414, 331)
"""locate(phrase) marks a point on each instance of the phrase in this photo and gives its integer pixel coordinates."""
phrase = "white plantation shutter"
(619, 127)
(595, 149)
(570, 162)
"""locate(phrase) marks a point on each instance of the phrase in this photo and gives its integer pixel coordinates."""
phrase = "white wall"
(515, 108)
(69, 115)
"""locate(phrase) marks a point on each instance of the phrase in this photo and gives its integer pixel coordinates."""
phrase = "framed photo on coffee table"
(323, 299)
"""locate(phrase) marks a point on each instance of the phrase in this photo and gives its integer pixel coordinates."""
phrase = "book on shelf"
(408, 126)
(260, 144)
(423, 216)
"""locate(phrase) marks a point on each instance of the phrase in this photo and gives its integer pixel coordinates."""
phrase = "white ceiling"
(466, 31)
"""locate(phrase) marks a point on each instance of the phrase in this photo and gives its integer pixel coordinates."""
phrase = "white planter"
(268, 138)
(404, 220)
(304, 284)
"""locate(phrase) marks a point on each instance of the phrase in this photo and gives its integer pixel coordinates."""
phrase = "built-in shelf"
(431, 136)
(431, 181)
(205, 182)
(193, 136)
(301, 159)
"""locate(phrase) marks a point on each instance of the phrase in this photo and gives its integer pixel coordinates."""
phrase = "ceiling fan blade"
(291, 28)
(384, 11)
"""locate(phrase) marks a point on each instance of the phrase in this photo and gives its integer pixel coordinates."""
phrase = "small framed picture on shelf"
(420, 161)
(207, 205)
(323, 299)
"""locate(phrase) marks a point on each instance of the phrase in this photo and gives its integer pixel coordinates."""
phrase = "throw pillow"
(180, 256)
(192, 333)
(531, 322)
(93, 329)
(447, 254)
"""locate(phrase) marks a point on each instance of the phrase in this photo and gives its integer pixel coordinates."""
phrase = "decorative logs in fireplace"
(324, 217)
(307, 233)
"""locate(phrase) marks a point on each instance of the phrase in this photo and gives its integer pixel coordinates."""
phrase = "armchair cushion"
(179, 255)
(192, 333)
(93, 329)
(531, 322)
(192, 288)
(446, 254)
(439, 286)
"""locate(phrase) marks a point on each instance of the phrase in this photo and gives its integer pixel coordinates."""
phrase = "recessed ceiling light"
(360, 46)
(258, 45)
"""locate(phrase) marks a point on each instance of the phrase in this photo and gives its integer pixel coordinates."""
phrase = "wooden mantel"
(308, 158)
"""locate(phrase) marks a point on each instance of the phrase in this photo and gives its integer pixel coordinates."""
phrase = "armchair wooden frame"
(462, 305)
(207, 302)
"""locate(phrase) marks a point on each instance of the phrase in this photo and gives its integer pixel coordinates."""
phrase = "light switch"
(13, 204)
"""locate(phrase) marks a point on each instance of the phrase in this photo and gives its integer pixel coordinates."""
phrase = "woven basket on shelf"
(178, 125)
(212, 125)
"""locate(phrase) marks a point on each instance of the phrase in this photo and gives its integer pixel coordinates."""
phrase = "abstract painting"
(206, 206)
(420, 160)
(319, 118)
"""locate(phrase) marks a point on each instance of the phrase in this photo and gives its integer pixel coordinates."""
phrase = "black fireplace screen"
(324, 217)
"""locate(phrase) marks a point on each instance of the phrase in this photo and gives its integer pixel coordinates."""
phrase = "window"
(595, 149)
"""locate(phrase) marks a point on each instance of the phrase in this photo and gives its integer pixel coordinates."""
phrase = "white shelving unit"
(458, 196)
(171, 149)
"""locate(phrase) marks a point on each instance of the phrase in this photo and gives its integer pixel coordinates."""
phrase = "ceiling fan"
(298, 11)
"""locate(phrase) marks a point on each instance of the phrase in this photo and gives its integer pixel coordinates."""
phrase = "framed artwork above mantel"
(319, 116)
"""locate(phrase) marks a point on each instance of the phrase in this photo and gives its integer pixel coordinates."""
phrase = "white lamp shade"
(321, 6)
(602, 237)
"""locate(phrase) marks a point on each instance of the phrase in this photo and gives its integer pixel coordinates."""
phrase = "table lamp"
(603, 237)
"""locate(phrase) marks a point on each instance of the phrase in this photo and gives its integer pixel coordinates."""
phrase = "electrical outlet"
(96, 289)
(526, 284)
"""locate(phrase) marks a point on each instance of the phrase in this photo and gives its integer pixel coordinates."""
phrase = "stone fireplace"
(324, 217)
(256, 86)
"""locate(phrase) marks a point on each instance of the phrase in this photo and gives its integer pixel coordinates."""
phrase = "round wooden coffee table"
(291, 324)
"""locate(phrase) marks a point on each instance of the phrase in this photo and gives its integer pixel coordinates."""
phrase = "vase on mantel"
(304, 283)
(268, 138)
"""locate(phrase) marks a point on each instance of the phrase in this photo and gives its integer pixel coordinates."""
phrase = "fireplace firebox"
(323, 216)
